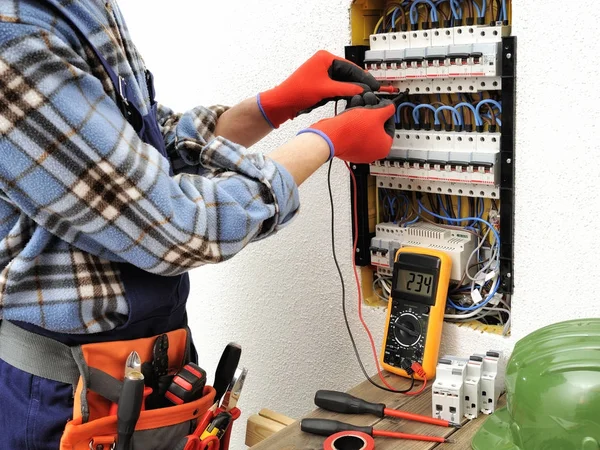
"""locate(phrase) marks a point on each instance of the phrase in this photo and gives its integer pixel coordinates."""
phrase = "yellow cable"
(377, 24)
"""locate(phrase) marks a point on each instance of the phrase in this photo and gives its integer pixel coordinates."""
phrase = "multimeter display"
(414, 282)
(416, 309)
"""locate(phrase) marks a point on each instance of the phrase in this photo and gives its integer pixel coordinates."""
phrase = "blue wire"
(416, 111)
(476, 219)
(481, 304)
(441, 203)
(394, 18)
(439, 99)
(482, 9)
(489, 116)
(488, 101)
(478, 120)
(416, 219)
(407, 204)
(456, 117)
(504, 13)
(453, 4)
(392, 214)
(400, 106)
(413, 9)
(477, 8)
(411, 222)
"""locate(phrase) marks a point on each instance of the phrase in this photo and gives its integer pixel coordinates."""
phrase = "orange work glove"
(324, 77)
(363, 133)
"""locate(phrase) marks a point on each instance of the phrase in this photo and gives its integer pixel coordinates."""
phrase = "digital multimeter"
(415, 315)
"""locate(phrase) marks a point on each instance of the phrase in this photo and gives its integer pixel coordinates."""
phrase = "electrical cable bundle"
(426, 14)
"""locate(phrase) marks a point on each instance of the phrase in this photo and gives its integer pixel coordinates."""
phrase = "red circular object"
(349, 440)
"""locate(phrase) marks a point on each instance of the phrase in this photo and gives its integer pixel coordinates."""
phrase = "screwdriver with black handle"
(326, 427)
(341, 402)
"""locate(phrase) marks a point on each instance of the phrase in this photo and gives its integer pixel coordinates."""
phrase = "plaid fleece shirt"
(79, 190)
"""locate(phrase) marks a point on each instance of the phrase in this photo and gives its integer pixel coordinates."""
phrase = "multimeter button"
(418, 355)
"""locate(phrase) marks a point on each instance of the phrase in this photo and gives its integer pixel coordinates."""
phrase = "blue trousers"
(33, 410)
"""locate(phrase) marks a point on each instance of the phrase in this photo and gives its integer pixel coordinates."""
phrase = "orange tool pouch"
(96, 372)
(102, 368)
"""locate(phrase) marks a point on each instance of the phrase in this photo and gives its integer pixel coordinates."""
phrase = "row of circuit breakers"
(441, 160)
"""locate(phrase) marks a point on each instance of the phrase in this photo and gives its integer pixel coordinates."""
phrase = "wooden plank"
(292, 438)
(259, 428)
(268, 414)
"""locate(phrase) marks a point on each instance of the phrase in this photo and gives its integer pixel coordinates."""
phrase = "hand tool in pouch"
(325, 427)
(226, 368)
(349, 440)
(156, 373)
(232, 395)
(347, 404)
(187, 385)
(130, 401)
(218, 426)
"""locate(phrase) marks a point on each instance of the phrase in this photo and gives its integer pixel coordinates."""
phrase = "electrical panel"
(448, 182)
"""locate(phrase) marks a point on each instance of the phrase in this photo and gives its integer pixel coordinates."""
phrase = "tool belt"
(96, 372)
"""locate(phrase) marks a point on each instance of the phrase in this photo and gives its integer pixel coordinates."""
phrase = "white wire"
(478, 312)
(385, 287)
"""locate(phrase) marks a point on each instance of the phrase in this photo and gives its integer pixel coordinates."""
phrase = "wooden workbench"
(292, 438)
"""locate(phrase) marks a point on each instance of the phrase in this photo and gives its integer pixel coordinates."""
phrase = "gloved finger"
(356, 101)
(345, 71)
(400, 98)
(370, 99)
(390, 126)
(386, 110)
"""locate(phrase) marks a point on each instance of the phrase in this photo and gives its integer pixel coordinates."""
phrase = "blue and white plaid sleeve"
(74, 165)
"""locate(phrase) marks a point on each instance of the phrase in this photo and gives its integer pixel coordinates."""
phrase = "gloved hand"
(363, 133)
(324, 77)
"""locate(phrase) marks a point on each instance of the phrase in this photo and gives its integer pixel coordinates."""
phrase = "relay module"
(448, 182)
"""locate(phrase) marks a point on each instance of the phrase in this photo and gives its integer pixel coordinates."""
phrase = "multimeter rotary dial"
(407, 330)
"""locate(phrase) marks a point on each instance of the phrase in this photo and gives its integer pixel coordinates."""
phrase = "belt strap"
(37, 355)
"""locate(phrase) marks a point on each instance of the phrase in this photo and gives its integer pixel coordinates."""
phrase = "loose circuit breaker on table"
(448, 182)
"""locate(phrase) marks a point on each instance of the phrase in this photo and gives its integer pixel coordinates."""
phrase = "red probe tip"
(389, 89)
(448, 441)
(455, 425)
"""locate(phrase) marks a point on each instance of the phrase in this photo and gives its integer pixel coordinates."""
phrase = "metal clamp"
(101, 446)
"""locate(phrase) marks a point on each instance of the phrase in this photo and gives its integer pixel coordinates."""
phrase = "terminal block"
(389, 237)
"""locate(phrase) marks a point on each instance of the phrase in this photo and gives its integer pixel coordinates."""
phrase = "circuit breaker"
(448, 182)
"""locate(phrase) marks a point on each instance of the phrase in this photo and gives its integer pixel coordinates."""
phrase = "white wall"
(281, 298)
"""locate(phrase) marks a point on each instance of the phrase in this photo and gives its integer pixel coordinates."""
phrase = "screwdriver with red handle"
(341, 402)
(326, 427)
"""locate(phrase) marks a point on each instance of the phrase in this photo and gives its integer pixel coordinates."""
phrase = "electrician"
(107, 199)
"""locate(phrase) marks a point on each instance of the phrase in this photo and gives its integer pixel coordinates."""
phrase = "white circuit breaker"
(490, 387)
(448, 390)
(466, 387)
(473, 387)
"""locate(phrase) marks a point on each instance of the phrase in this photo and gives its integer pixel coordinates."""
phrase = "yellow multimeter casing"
(415, 315)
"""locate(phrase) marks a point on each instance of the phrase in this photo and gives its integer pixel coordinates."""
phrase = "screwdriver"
(341, 402)
(326, 427)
